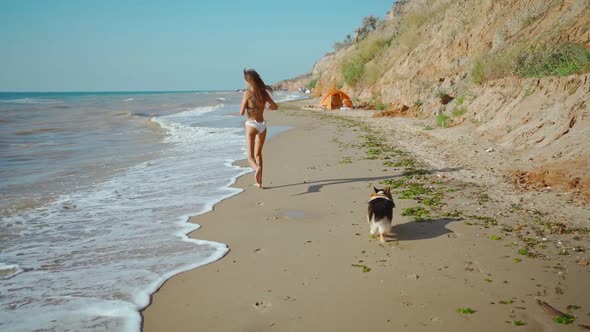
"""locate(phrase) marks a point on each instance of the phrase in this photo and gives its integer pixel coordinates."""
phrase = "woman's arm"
(271, 104)
(244, 103)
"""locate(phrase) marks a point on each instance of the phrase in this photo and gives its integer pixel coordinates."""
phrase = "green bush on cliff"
(369, 25)
(478, 74)
(372, 73)
(352, 71)
(379, 105)
(534, 60)
(353, 66)
(458, 111)
(442, 120)
(561, 60)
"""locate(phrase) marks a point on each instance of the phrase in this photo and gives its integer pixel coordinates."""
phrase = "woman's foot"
(258, 177)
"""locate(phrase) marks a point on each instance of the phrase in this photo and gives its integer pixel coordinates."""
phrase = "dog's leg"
(384, 228)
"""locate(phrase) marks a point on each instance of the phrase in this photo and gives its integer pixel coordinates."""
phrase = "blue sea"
(96, 190)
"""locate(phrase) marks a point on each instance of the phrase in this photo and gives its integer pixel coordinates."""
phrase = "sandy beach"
(463, 256)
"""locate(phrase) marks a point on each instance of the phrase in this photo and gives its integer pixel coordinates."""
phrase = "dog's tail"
(381, 209)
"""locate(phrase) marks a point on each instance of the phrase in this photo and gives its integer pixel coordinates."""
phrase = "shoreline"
(238, 164)
(297, 248)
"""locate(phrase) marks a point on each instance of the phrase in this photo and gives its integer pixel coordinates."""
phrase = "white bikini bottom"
(259, 126)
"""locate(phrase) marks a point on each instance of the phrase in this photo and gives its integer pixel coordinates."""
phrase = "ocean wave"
(101, 265)
(181, 133)
(180, 122)
(38, 131)
(8, 271)
(280, 96)
(198, 111)
(157, 122)
(130, 115)
(30, 101)
(102, 250)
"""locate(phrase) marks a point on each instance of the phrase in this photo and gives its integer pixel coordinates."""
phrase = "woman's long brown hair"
(258, 87)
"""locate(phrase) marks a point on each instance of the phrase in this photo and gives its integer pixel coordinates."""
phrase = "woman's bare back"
(254, 107)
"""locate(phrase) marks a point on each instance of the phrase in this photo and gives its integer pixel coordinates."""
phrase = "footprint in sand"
(262, 306)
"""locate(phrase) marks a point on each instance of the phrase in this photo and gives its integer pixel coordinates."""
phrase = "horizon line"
(117, 91)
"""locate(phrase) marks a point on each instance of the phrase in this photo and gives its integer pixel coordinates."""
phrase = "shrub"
(369, 24)
(560, 60)
(343, 44)
(372, 73)
(416, 19)
(379, 105)
(533, 60)
(409, 39)
(458, 111)
(441, 93)
(478, 72)
(442, 120)
(312, 84)
(352, 71)
(353, 66)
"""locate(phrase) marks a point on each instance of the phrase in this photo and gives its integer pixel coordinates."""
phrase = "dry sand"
(300, 250)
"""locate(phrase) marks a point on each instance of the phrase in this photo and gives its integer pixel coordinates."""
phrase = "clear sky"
(114, 45)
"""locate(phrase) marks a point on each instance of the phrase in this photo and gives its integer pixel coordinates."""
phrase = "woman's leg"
(258, 155)
(250, 141)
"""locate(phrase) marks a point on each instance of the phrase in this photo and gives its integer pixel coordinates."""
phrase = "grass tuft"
(419, 213)
(363, 268)
(565, 319)
(354, 66)
(466, 311)
(533, 60)
(458, 111)
(442, 120)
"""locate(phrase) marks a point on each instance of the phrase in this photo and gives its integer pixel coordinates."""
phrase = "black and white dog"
(380, 212)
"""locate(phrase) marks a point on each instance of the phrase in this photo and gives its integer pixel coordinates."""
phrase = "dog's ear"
(376, 190)
(387, 190)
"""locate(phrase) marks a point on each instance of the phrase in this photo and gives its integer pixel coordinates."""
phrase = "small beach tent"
(335, 99)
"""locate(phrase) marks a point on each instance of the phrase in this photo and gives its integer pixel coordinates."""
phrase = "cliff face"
(293, 84)
(514, 72)
(433, 45)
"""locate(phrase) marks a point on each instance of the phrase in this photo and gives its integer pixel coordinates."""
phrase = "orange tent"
(335, 99)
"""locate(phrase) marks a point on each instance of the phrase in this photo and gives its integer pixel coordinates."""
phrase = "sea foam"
(90, 260)
(94, 264)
